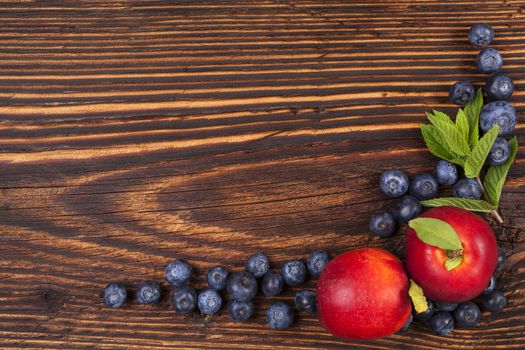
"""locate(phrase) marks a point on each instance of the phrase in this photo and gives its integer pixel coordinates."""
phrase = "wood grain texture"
(133, 132)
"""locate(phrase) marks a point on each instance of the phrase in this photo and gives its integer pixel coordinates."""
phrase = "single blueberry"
(317, 261)
(489, 61)
(490, 287)
(501, 259)
(499, 87)
(279, 315)
(498, 112)
(241, 311)
(441, 323)
(425, 316)
(209, 302)
(494, 301)
(258, 265)
(242, 286)
(294, 272)
(405, 209)
(148, 292)
(382, 224)
(407, 324)
(467, 314)
(445, 172)
(461, 93)
(424, 186)
(500, 152)
(115, 295)
(467, 188)
(394, 183)
(272, 284)
(306, 300)
(445, 306)
(184, 299)
(217, 277)
(481, 34)
(178, 272)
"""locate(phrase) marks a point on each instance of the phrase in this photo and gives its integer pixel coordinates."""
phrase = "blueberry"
(148, 292)
(258, 265)
(461, 93)
(467, 188)
(467, 314)
(490, 287)
(178, 272)
(481, 34)
(272, 284)
(382, 224)
(294, 272)
(209, 301)
(242, 286)
(441, 323)
(494, 301)
(407, 324)
(115, 295)
(424, 186)
(405, 209)
(425, 316)
(499, 87)
(446, 306)
(394, 183)
(306, 300)
(217, 277)
(317, 261)
(241, 311)
(489, 61)
(500, 152)
(501, 259)
(498, 112)
(184, 299)
(445, 173)
(279, 315)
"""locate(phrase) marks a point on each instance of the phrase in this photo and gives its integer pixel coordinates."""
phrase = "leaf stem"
(495, 212)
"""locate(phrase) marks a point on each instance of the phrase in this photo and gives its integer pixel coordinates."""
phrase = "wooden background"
(134, 132)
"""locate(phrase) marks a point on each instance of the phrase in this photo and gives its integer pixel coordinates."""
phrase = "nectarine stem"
(495, 212)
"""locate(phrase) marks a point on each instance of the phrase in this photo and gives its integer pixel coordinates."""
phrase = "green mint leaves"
(496, 175)
(418, 297)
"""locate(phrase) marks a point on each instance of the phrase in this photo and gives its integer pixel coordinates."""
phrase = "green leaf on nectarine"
(437, 233)
(418, 297)
(452, 263)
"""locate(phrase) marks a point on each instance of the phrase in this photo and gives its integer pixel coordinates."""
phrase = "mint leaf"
(437, 233)
(472, 110)
(465, 203)
(418, 297)
(496, 175)
(477, 158)
(452, 263)
(455, 141)
(435, 143)
(442, 117)
(462, 124)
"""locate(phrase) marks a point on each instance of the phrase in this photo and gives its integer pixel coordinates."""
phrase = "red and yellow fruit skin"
(363, 294)
(426, 264)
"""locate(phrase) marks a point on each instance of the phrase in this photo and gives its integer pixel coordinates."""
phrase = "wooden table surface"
(133, 132)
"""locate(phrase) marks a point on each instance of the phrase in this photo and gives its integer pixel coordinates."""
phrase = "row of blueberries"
(241, 287)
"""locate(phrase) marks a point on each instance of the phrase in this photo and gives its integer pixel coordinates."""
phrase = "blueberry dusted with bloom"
(467, 188)
(178, 272)
(499, 87)
(445, 306)
(394, 183)
(425, 316)
(405, 209)
(279, 315)
(500, 152)
(294, 272)
(382, 224)
(424, 186)
(209, 302)
(481, 34)
(461, 93)
(494, 301)
(148, 292)
(317, 261)
(306, 300)
(501, 259)
(258, 265)
(490, 286)
(241, 311)
(242, 286)
(184, 300)
(489, 61)
(467, 315)
(217, 277)
(272, 284)
(115, 295)
(441, 323)
(446, 173)
(498, 112)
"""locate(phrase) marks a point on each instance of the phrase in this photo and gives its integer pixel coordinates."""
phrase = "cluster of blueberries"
(241, 287)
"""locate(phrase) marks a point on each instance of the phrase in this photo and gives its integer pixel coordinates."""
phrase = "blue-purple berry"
(481, 34)
(394, 183)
